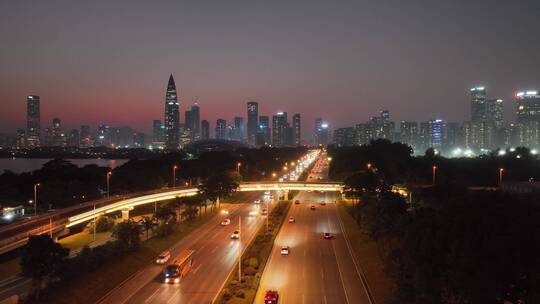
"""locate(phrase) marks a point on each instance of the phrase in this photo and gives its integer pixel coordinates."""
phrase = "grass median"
(367, 254)
(254, 260)
(93, 286)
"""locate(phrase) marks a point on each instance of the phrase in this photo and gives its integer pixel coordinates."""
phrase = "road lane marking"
(340, 274)
(174, 295)
(214, 250)
(152, 295)
(359, 270)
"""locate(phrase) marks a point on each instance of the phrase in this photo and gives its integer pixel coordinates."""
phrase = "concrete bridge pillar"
(286, 195)
(125, 214)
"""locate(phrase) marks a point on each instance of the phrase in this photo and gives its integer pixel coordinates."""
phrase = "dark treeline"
(453, 244)
(63, 184)
(73, 152)
(394, 161)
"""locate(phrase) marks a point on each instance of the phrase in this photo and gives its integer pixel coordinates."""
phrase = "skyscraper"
(193, 122)
(263, 133)
(297, 129)
(528, 118)
(205, 130)
(86, 137)
(345, 137)
(221, 129)
(252, 123)
(322, 132)
(158, 134)
(33, 126)
(172, 119)
(58, 137)
(238, 129)
(478, 104)
(279, 125)
(409, 134)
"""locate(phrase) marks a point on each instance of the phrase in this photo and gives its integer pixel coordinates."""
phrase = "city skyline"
(418, 65)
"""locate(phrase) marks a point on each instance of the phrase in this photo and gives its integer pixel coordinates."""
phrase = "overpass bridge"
(17, 234)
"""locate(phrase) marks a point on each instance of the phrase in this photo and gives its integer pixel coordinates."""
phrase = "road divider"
(253, 260)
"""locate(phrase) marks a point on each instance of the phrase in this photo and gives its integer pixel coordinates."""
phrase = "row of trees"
(63, 183)
(395, 163)
(455, 246)
(43, 260)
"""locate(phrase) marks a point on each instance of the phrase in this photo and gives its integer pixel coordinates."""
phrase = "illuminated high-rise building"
(263, 137)
(193, 122)
(252, 121)
(33, 125)
(238, 129)
(322, 132)
(409, 134)
(172, 116)
(279, 126)
(158, 134)
(478, 104)
(297, 140)
(528, 118)
(86, 137)
(221, 129)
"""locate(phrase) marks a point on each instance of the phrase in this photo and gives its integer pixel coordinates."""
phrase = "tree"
(163, 213)
(41, 258)
(360, 183)
(128, 233)
(147, 224)
(218, 186)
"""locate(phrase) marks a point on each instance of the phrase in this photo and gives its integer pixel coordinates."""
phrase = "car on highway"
(264, 211)
(323, 203)
(312, 207)
(235, 235)
(257, 201)
(163, 257)
(225, 222)
(271, 297)
(328, 236)
(292, 219)
(284, 250)
(297, 202)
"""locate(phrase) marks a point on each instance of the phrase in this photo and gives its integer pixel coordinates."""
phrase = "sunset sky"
(98, 61)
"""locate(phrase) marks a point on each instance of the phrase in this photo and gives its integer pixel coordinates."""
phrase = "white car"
(163, 257)
(235, 235)
(284, 250)
(257, 201)
(225, 222)
(292, 220)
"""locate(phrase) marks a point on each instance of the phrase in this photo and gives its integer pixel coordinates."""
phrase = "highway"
(316, 270)
(215, 255)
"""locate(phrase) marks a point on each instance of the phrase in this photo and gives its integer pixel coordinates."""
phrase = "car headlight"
(166, 280)
(176, 280)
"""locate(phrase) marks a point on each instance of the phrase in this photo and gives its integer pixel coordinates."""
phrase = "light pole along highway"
(35, 198)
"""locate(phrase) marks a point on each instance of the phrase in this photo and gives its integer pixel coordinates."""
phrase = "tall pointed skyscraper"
(172, 116)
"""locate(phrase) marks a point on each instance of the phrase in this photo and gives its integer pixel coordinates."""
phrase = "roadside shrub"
(164, 229)
(254, 262)
(249, 271)
(104, 223)
(241, 294)
(227, 294)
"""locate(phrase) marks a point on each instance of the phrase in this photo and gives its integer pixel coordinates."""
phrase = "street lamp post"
(35, 197)
(238, 168)
(434, 173)
(108, 183)
(174, 175)
(501, 171)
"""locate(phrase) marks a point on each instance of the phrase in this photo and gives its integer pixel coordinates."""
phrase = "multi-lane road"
(316, 270)
(215, 256)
